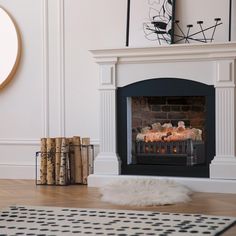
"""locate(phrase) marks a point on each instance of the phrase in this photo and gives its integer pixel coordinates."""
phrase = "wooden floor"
(24, 192)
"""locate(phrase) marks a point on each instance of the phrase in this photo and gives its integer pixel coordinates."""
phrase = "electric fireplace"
(202, 76)
(166, 126)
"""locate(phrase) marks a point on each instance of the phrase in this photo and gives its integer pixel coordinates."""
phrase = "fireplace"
(209, 69)
(166, 127)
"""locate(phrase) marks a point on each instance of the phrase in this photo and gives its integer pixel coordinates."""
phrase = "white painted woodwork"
(217, 60)
(107, 119)
(195, 184)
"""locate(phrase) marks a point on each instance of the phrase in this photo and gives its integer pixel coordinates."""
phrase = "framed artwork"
(150, 22)
(202, 21)
(161, 22)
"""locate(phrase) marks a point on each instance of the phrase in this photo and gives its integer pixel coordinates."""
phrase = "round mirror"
(9, 47)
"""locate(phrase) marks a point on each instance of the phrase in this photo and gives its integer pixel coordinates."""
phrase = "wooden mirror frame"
(10, 47)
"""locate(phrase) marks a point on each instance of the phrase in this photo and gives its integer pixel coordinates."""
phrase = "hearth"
(166, 127)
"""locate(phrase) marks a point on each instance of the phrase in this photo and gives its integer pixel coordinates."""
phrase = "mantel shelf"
(178, 52)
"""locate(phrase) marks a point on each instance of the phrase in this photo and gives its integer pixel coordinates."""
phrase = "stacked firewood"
(65, 161)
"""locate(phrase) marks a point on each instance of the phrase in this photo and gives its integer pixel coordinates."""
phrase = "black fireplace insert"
(186, 152)
(166, 127)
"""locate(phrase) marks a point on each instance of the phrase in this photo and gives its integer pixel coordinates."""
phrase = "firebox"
(167, 130)
(166, 127)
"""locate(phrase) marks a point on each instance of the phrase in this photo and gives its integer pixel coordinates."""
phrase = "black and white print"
(163, 22)
(150, 22)
(195, 23)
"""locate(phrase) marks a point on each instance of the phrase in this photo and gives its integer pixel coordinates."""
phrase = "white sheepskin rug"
(144, 192)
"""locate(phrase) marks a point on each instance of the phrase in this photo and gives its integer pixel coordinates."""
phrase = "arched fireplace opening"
(166, 127)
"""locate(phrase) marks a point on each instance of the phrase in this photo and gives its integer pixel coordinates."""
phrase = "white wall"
(55, 89)
(89, 24)
(54, 92)
(191, 11)
(21, 121)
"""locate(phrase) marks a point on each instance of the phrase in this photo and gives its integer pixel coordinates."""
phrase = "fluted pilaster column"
(107, 161)
(224, 163)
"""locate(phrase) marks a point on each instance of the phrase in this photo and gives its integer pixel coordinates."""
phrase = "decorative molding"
(31, 142)
(58, 46)
(170, 53)
(107, 77)
(107, 60)
(108, 122)
(225, 122)
(61, 25)
(223, 168)
(45, 69)
(225, 73)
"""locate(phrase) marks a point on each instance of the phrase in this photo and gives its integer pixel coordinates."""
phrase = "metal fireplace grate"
(186, 152)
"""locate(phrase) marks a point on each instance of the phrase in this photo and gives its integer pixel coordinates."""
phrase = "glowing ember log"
(168, 133)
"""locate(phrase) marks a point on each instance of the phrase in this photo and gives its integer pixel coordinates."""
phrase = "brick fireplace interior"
(165, 127)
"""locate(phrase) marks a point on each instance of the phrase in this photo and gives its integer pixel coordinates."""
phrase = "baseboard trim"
(15, 171)
(195, 184)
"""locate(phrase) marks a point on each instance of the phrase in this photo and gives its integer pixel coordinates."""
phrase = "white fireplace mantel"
(212, 64)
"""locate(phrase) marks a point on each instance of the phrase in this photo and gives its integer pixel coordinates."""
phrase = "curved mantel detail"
(212, 64)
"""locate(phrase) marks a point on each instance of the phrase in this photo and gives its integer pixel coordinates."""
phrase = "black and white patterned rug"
(31, 220)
